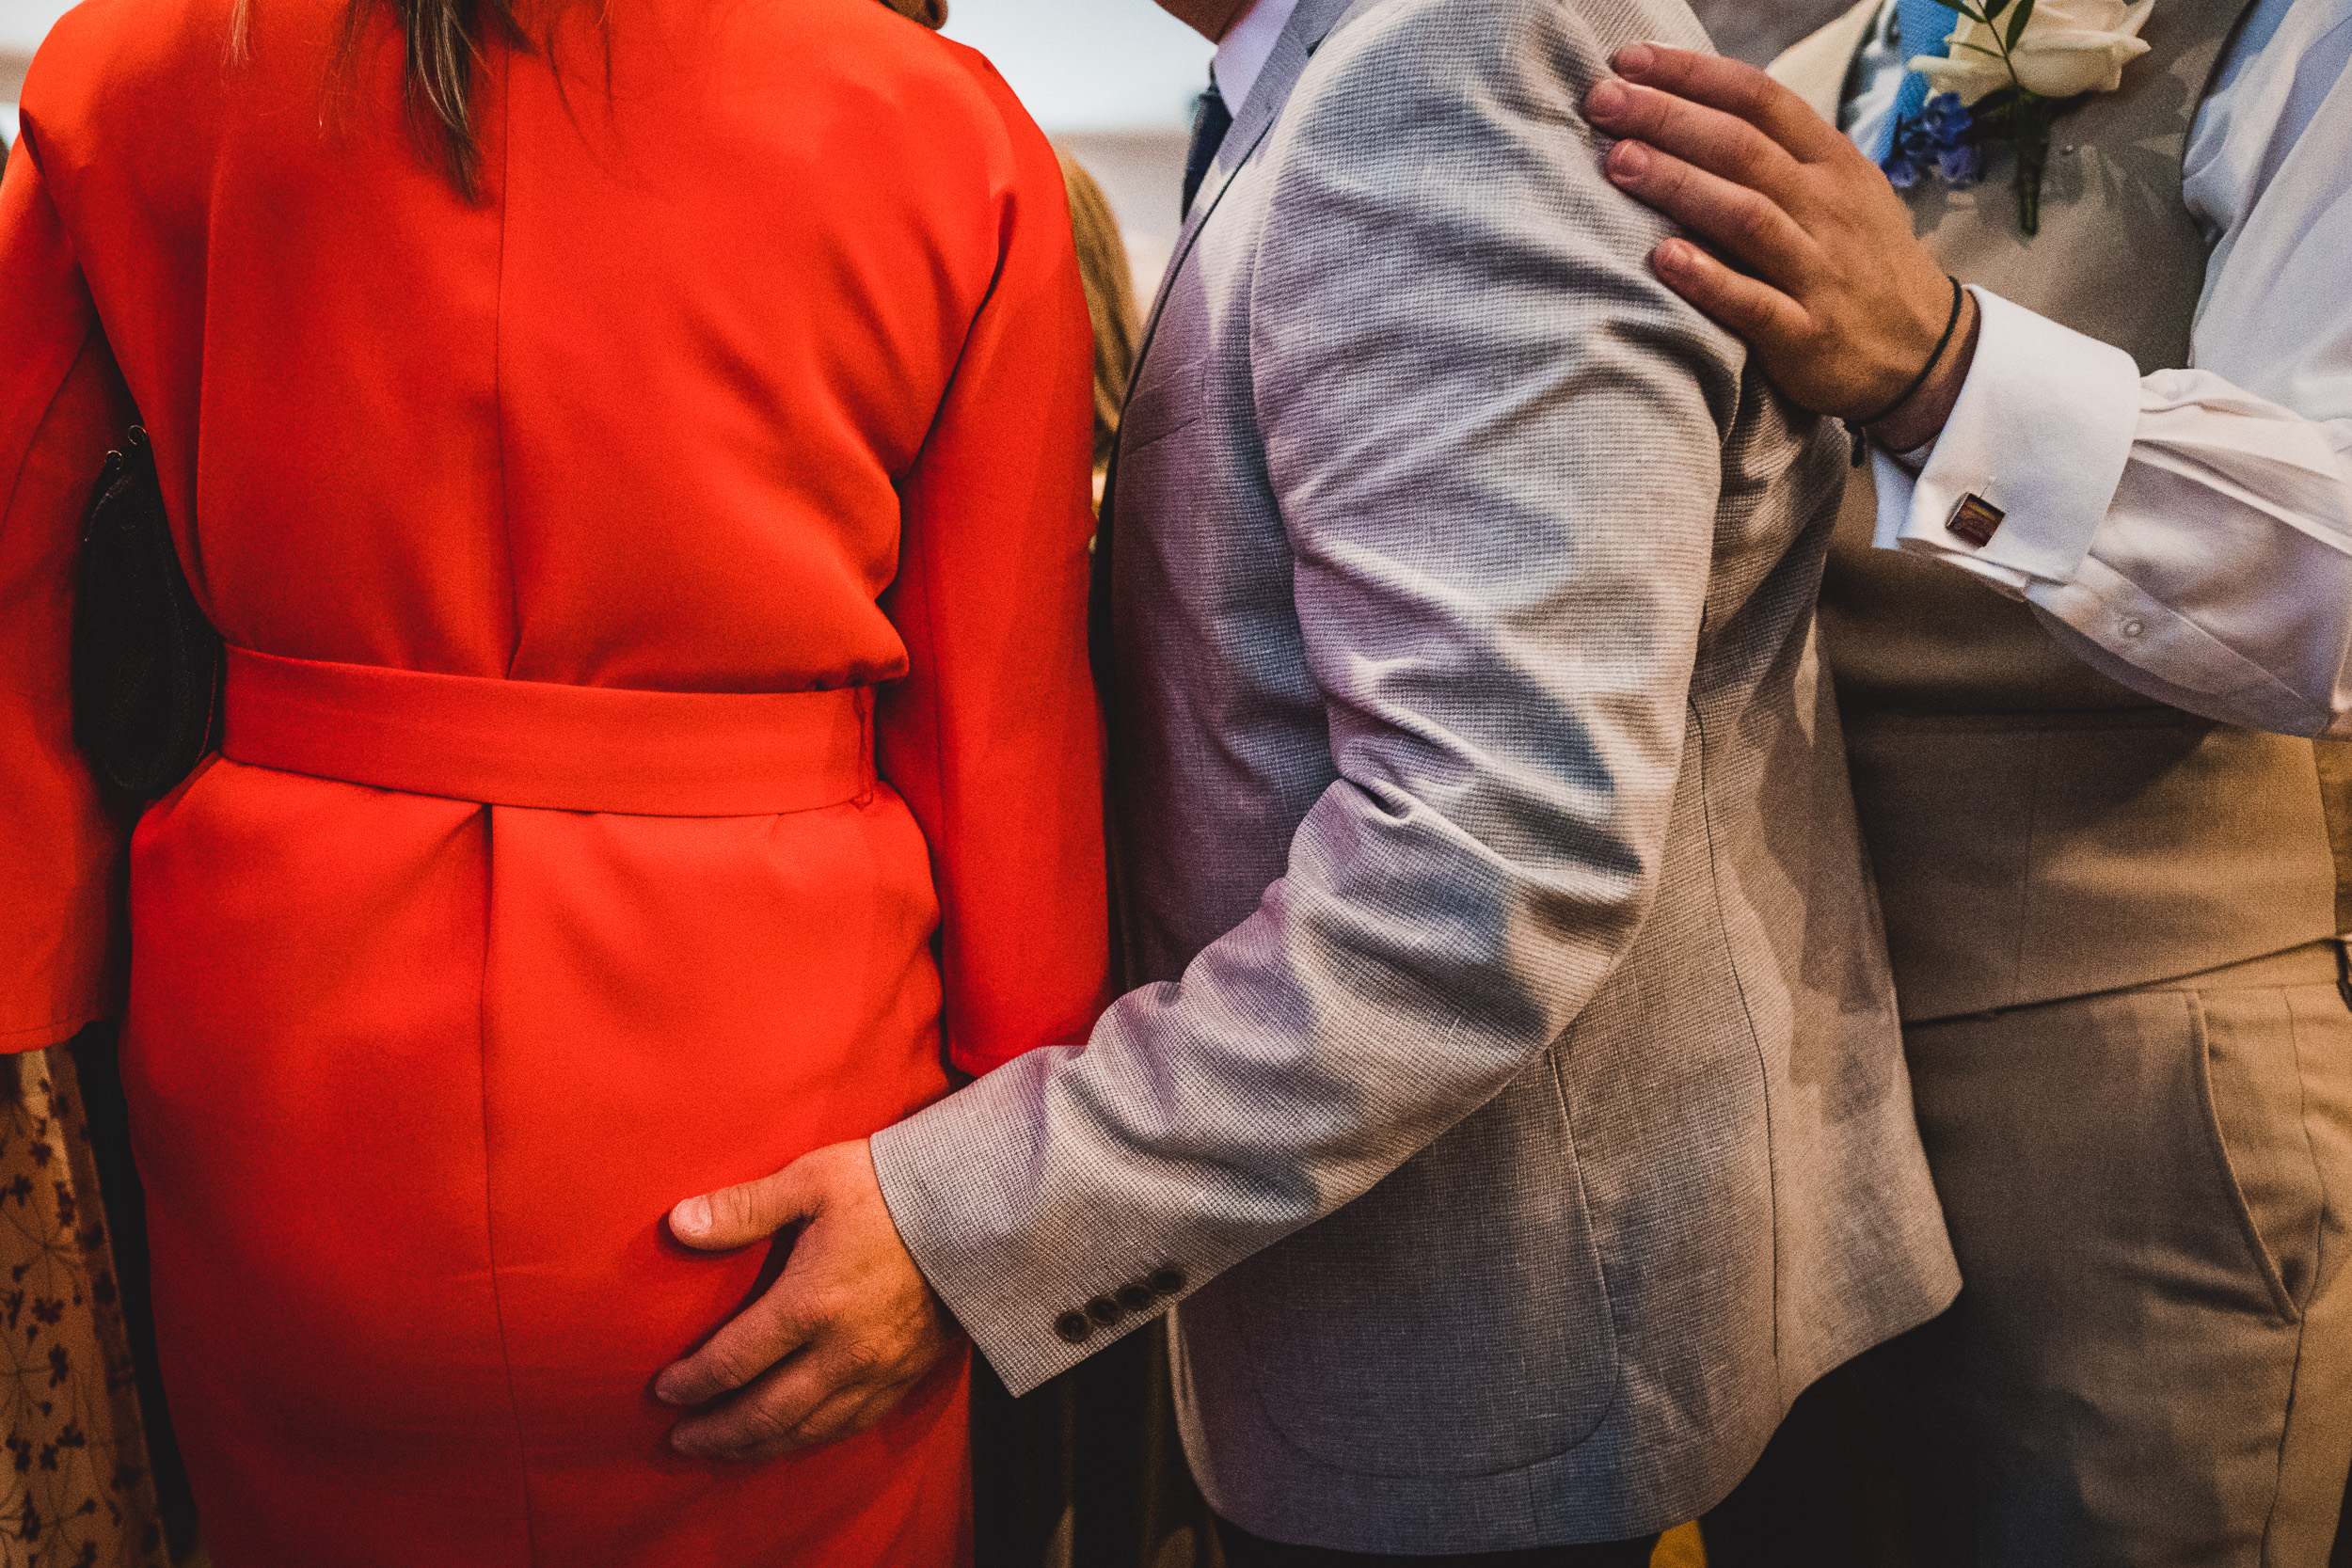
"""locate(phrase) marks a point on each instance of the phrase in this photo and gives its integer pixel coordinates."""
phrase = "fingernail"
(1606, 100)
(1635, 58)
(1672, 256)
(692, 1217)
(1628, 160)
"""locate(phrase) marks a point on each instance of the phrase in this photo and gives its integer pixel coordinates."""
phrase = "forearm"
(1380, 994)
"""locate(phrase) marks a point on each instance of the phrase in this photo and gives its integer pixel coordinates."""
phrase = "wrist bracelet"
(1861, 443)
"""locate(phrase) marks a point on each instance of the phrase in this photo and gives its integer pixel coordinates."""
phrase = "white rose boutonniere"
(2065, 49)
(2014, 64)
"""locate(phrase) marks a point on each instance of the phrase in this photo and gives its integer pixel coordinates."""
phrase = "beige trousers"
(2149, 1363)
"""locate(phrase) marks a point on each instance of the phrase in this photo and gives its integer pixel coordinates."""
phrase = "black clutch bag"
(146, 663)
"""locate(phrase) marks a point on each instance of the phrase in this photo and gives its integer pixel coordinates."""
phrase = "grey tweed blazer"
(1513, 1096)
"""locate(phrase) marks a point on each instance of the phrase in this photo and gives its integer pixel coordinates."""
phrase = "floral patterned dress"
(76, 1489)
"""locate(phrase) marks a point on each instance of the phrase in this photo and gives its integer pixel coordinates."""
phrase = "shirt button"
(2133, 626)
(1074, 1327)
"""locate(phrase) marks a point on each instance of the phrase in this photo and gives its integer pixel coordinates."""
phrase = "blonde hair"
(1110, 291)
(444, 43)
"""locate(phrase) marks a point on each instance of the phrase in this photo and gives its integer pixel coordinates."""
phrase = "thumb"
(738, 1216)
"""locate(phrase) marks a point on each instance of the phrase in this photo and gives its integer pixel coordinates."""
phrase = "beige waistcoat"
(2038, 830)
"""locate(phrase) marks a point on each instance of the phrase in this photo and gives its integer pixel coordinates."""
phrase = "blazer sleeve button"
(1104, 1311)
(1137, 1298)
(1168, 1281)
(1074, 1326)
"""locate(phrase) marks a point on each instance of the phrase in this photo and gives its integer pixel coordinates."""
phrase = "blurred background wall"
(1112, 80)
(22, 24)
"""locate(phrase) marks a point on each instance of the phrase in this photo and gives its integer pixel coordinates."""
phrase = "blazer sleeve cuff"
(1037, 1294)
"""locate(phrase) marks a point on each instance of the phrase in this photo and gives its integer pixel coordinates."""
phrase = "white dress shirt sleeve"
(2189, 532)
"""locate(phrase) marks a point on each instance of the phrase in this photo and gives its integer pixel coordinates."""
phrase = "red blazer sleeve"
(61, 405)
(994, 737)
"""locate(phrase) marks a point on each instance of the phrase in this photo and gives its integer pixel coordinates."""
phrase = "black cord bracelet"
(1861, 443)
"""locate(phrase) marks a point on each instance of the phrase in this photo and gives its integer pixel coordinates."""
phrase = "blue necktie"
(1921, 27)
(1209, 121)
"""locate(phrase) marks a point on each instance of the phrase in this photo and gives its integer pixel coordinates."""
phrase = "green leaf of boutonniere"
(2016, 23)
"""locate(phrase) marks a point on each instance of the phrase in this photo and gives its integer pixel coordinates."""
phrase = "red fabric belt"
(563, 748)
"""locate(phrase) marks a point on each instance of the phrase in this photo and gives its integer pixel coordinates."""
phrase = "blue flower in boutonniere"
(1955, 138)
(2014, 64)
(1945, 138)
(1908, 160)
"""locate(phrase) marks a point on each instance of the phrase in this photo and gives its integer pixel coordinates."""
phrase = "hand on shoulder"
(1808, 252)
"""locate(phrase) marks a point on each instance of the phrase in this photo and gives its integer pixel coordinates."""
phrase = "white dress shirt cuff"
(2043, 429)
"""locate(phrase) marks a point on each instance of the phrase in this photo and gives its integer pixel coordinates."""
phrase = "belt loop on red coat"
(555, 746)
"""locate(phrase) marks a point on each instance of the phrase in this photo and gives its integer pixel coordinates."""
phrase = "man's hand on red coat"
(847, 1330)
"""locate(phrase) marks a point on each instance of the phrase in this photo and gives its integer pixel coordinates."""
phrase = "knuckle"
(765, 1430)
(810, 1430)
(863, 1357)
(731, 1368)
(1638, 112)
(824, 1305)
(737, 1359)
(1751, 160)
(735, 1208)
(1751, 90)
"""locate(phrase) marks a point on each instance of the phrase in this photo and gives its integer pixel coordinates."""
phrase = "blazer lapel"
(1309, 25)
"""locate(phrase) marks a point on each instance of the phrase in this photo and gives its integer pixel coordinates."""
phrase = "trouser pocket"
(2249, 1044)
(2120, 1365)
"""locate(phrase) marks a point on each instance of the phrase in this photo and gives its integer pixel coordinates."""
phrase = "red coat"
(767, 372)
